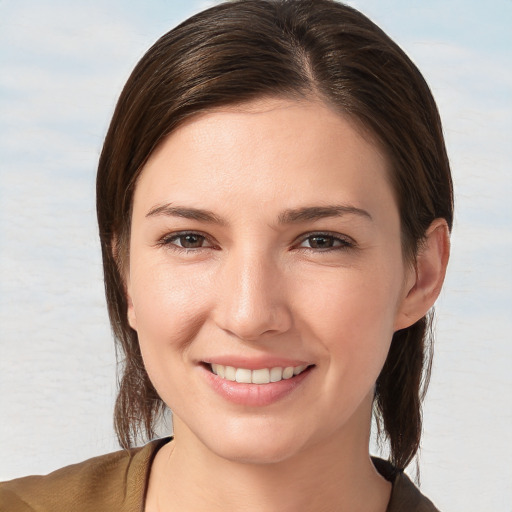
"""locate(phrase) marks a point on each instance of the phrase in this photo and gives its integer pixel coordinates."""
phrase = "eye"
(325, 241)
(185, 240)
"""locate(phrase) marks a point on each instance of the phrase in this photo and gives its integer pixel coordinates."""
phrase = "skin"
(256, 283)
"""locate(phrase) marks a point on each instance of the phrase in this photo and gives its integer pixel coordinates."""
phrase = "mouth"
(258, 376)
(259, 385)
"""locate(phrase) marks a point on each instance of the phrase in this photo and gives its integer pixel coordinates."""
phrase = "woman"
(274, 203)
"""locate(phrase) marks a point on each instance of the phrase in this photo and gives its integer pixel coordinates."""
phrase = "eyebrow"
(312, 213)
(292, 216)
(187, 213)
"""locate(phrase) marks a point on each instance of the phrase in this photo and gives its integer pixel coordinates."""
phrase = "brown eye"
(325, 241)
(185, 241)
(321, 242)
(190, 241)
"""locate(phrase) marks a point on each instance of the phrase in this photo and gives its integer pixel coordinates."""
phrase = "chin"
(257, 454)
(255, 446)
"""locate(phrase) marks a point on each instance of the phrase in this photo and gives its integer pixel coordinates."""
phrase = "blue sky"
(62, 65)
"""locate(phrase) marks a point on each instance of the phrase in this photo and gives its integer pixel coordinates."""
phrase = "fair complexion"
(266, 237)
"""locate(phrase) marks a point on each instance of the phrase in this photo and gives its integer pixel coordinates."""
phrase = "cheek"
(169, 307)
(353, 318)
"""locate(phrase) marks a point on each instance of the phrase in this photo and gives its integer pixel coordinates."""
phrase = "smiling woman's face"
(266, 238)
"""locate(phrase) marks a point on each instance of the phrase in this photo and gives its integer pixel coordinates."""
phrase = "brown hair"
(242, 50)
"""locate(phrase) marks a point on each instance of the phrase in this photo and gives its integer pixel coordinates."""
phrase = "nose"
(252, 301)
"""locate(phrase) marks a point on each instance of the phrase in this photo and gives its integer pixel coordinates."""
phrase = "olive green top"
(117, 482)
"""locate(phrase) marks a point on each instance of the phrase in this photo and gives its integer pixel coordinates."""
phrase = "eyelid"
(347, 241)
(167, 240)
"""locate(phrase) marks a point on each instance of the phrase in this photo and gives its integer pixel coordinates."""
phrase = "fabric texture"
(117, 482)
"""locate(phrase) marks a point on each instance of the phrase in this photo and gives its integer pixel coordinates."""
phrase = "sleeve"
(91, 486)
(10, 502)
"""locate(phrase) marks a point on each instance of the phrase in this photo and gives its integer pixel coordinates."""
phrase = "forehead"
(269, 148)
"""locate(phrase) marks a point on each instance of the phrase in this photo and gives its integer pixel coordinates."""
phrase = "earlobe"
(130, 313)
(132, 319)
(430, 270)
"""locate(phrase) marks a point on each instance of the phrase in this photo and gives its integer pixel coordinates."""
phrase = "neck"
(337, 475)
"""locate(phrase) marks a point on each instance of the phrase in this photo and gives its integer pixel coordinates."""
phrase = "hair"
(248, 49)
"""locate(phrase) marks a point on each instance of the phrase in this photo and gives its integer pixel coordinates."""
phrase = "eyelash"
(169, 241)
(344, 242)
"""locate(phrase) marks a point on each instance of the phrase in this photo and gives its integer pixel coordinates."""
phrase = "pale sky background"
(62, 65)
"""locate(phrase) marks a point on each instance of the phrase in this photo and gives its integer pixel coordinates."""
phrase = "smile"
(260, 376)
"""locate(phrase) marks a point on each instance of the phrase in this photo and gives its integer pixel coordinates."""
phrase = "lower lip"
(254, 395)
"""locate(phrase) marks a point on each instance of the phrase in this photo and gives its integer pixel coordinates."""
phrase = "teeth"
(229, 373)
(276, 374)
(288, 372)
(299, 369)
(243, 375)
(260, 376)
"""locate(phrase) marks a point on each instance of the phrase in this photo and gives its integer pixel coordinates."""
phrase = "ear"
(124, 271)
(132, 319)
(427, 277)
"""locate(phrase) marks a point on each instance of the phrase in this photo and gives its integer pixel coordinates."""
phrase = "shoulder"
(405, 496)
(115, 481)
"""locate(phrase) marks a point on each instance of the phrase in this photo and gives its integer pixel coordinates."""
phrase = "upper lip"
(255, 363)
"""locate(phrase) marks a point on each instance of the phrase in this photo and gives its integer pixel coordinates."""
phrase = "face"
(266, 278)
